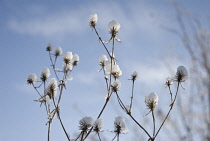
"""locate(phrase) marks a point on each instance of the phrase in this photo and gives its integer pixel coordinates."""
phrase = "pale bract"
(48, 100)
(32, 78)
(113, 25)
(58, 51)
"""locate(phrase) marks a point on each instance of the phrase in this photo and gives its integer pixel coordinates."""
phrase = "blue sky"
(28, 26)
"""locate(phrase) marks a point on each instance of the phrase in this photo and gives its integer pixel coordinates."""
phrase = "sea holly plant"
(50, 90)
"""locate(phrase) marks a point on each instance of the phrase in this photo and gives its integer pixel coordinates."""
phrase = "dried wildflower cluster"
(52, 93)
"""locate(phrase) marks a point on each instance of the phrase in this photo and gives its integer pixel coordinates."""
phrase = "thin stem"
(118, 137)
(53, 65)
(36, 90)
(107, 87)
(58, 114)
(48, 136)
(133, 117)
(99, 137)
(114, 137)
(102, 42)
(169, 88)
(172, 104)
(153, 117)
(132, 95)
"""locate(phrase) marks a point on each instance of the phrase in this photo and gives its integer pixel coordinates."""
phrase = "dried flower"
(52, 88)
(93, 20)
(67, 57)
(134, 75)
(98, 124)
(75, 59)
(181, 74)
(113, 69)
(120, 126)
(58, 51)
(151, 101)
(86, 123)
(114, 27)
(49, 48)
(169, 81)
(45, 74)
(102, 60)
(32, 78)
(116, 85)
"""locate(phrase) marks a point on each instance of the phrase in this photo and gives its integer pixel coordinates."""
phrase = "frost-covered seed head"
(181, 74)
(67, 57)
(102, 60)
(116, 85)
(32, 78)
(58, 51)
(169, 81)
(45, 74)
(114, 27)
(151, 101)
(49, 48)
(114, 70)
(75, 59)
(93, 20)
(52, 88)
(98, 124)
(120, 126)
(134, 75)
(85, 123)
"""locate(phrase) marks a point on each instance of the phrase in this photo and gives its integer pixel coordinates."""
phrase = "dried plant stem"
(132, 95)
(172, 104)
(53, 65)
(133, 117)
(109, 87)
(58, 114)
(153, 117)
(169, 88)
(99, 136)
(48, 135)
(102, 42)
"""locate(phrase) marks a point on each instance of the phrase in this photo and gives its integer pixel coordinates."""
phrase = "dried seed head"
(151, 101)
